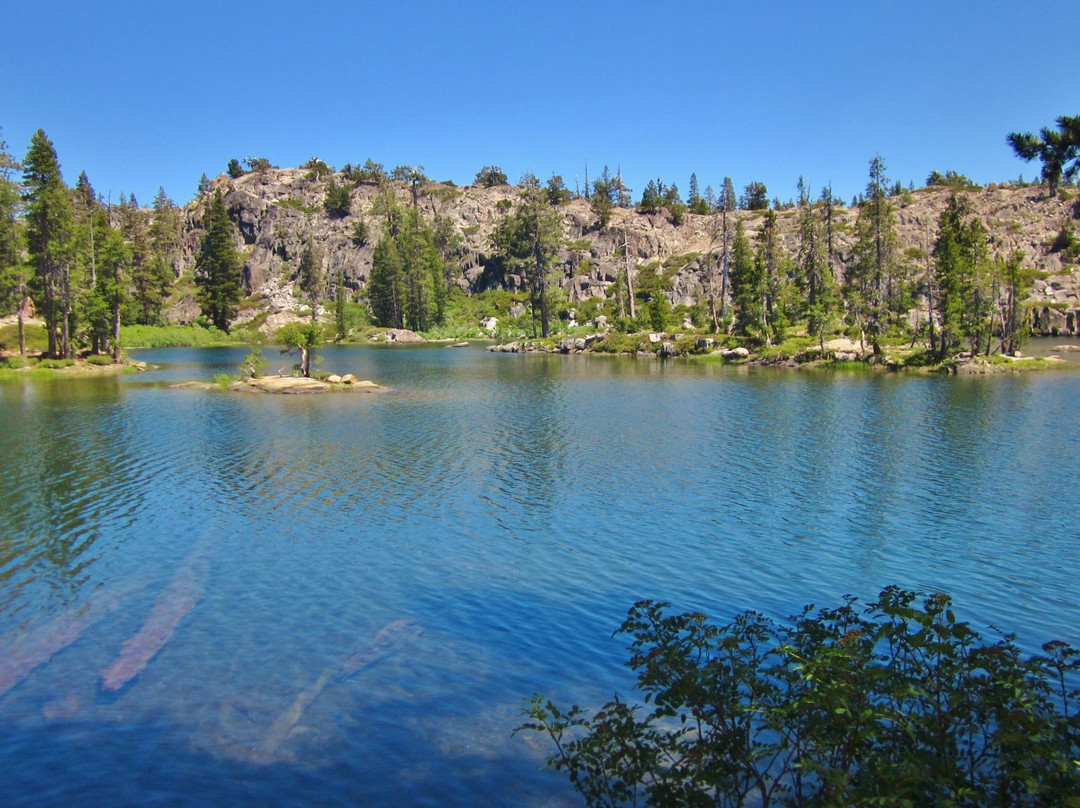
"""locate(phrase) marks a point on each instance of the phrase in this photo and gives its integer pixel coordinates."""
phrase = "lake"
(221, 599)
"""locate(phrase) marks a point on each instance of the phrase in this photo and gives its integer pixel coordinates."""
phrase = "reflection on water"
(185, 575)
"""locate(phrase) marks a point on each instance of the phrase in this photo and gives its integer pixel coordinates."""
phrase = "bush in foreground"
(893, 704)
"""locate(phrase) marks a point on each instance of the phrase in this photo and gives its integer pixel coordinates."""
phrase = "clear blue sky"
(142, 94)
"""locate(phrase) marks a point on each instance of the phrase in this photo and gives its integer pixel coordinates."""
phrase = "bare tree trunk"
(116, 332)
(629, 280)
(66, 301)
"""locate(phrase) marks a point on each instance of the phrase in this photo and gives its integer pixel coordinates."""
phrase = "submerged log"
(389, 636)
(35, 647)
(181, 596)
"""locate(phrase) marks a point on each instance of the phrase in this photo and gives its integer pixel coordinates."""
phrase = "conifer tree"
(48, 239)
(386, 287)
(1058, 151)
(14, 276)
(527, 240)
(960, 268)
(217, 267)
(310, 275)
(151, 281)
(747, 287)
(873, 271)
(117, 258)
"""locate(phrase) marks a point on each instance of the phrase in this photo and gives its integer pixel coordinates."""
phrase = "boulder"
(736, 353)
(490, 324)
(333, 378)
(348, 378)
(706, 343)
(403, 336)
(667, 349)
(655, 338)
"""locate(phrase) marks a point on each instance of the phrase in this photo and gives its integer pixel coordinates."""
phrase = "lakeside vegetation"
(895, 703)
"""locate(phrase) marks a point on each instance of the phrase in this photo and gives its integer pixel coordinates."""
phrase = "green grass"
(179, 336)
(37, 340)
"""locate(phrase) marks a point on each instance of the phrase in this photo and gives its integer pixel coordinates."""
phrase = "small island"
(290, 385)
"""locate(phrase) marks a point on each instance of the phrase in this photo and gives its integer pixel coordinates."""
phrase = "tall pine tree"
(48, 239)
(217, 267)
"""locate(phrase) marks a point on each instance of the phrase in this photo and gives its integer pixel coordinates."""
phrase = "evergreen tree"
(341, 297)
(302, 338)
(694, 200)
(420, 269)
(490, 176)
(217, 267)
(48, 239)
(602, 201)
(815, 273)
(960, 270)
(873, 272)
(338, 200)
(14, 274)
(557, 192)
(747, 287)
(527, 241)
(651, 198)
(1059, 152)
(773, 271)
(1016, 282)
(755, 197)
(310, 276)
(117, 259)
(151, 282)
(386, 287)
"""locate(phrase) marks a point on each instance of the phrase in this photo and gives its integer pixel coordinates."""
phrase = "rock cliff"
(276, 210)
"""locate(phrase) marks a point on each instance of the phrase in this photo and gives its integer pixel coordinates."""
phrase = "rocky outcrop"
(276, 211)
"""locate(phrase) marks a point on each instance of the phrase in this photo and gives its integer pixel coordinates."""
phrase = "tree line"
(91, 265)
(87, 263)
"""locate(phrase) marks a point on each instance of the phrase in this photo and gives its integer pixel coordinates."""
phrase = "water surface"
(512, 507)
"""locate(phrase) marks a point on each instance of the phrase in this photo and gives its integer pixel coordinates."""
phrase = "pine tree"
(341, 297)
(217, 267)
(1059, 152)
(815, 273)
(14, 276)
(310, 276)
(386, 287)
(48, 239)
(747, 287)
(872, 276)
(527, 241)
(151, 281)
(960, 269)
(117, 258)
(338, 201)
(602, 201)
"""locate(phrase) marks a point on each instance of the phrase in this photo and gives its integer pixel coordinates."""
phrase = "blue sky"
(146, 94)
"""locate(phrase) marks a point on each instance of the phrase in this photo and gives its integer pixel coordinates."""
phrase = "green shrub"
(896, 703)
(15, 362)
(99, 359)
(55, 364)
